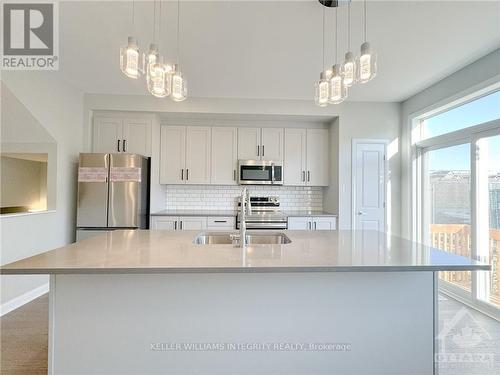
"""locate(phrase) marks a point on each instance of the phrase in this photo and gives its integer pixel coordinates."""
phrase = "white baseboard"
(23, 299)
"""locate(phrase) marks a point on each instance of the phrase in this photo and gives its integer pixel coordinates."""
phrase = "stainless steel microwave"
(260, 172)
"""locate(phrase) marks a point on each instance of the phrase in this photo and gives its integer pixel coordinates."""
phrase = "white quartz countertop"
(162, 251)
(287, 213)
(195, 213)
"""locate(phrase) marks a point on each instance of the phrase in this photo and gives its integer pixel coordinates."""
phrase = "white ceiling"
(272, 49)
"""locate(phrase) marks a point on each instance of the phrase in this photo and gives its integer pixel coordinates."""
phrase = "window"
(459, 195)
(478, 111)
(449, 208)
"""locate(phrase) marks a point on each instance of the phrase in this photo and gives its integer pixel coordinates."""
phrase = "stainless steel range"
(265, 213)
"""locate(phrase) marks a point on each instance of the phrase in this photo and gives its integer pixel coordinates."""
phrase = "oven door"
(257, 172)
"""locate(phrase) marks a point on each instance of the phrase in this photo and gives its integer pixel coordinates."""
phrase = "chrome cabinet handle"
(308, 176)
(220, 221)
(175, 225)
(258, 149)
(124, 145)
(180, 225)
(234, 174)
(361, 213)
(262, 150)
(187, 177)
(118, 146)
(303, 176)
(182, 174)
(315, 226)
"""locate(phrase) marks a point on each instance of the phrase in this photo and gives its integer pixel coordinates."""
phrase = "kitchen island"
(328, 302)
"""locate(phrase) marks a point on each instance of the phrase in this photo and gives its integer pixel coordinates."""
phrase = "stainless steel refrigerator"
(113, 193)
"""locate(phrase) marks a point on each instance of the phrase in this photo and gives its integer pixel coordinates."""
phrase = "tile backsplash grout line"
(220, 197)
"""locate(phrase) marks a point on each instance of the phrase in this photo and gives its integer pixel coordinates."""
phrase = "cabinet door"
(272, 144)
(198, 155)
(249, 143)
(107, 135)
(318, 157)
(163, 222)
(173, 155)
(299, 223)
(193, 223)
(224, 156)
(295, 157)
(137, 136)
(325, 223)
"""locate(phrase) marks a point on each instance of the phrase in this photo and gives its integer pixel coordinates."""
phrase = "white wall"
(59, 109)
(356, 120)
(473, 77)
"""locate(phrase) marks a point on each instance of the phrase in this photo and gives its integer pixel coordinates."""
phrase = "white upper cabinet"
(272, 144)
(185, 155)
(318, 157)
(249, 143)
(172, 154)
(260, 144)
(224, 156)
(122, 134)
(198, 142)
(107, 135)
(137, 136)
(295, 166)
(306, 157)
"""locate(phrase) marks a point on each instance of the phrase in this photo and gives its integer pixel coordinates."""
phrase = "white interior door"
(369, 182)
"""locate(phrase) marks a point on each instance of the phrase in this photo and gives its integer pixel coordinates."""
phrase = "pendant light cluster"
(162, 79)
(333, 84)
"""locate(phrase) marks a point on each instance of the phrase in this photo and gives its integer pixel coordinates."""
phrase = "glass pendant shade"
(349, 70)
(337, 90)
(367, 64)
(158, 81)
(129, 59)
(179, 85)
(151, 58)
(321, 91)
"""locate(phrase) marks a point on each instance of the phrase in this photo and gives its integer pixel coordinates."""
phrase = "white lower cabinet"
(178, 222)
(163, 222)
(225, 223)
(312, 223)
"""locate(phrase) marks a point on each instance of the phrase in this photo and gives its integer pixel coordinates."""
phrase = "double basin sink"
(252, 238)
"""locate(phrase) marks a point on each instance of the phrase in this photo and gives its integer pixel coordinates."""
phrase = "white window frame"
(419, 148)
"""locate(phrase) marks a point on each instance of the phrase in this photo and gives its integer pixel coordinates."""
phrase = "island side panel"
(119, 324)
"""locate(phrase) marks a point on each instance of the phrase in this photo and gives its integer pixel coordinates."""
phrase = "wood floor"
(24, 339)
(24, 334)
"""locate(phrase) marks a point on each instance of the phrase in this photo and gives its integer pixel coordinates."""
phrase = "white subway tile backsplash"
(214, 197)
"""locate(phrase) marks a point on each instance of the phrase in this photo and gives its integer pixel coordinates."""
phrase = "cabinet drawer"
(221, 222)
